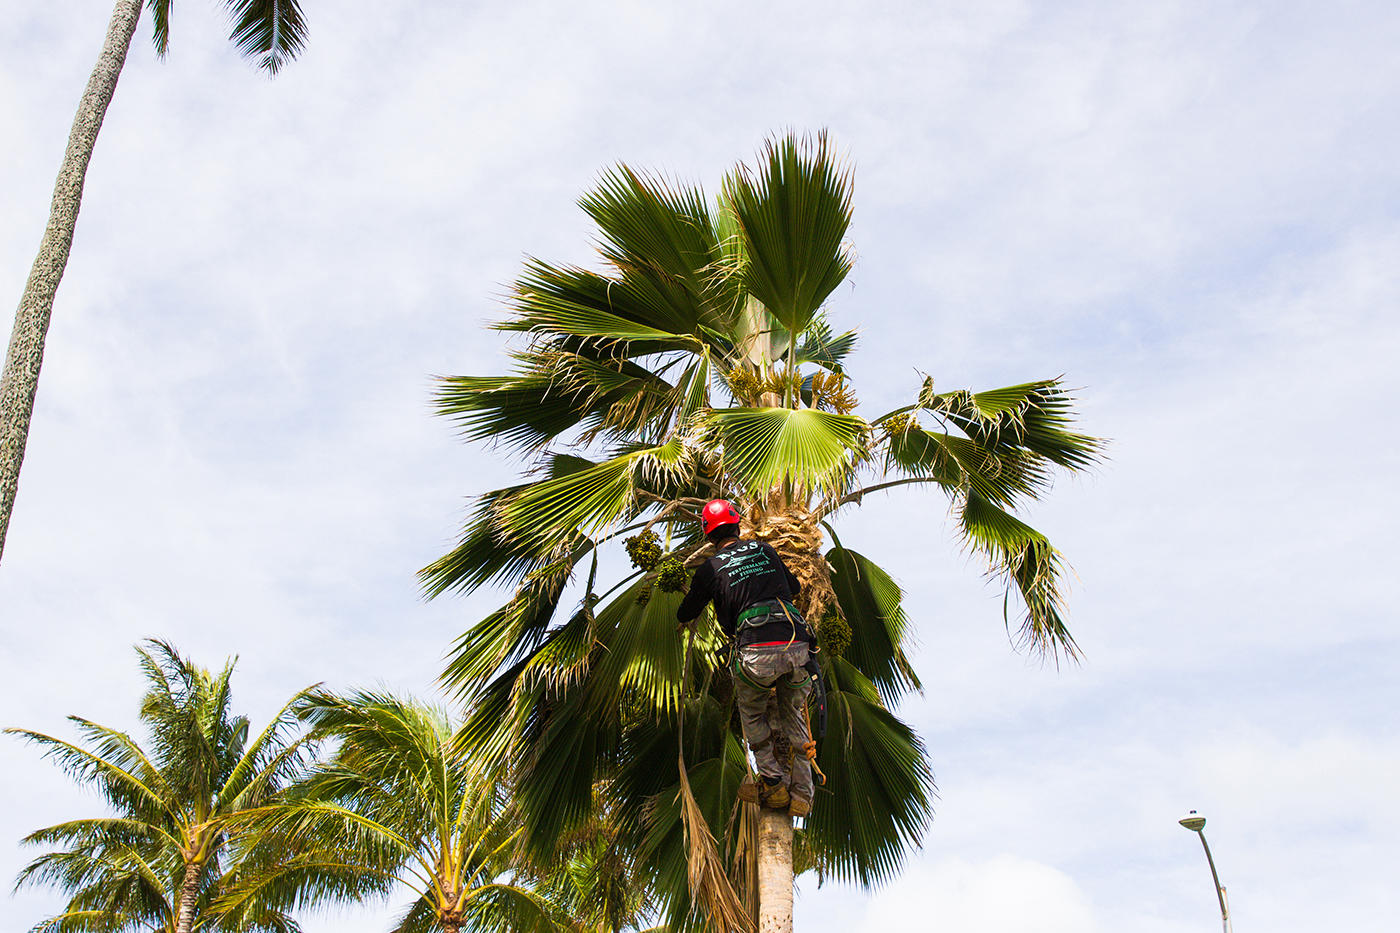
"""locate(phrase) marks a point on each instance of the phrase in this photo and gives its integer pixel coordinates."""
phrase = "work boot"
(773, 794)
(799, 806)
(748, 790)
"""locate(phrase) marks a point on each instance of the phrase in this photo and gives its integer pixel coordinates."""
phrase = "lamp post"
(1197, 825)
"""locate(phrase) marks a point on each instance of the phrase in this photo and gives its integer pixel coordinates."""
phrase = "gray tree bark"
(20, 381)
(774, 871)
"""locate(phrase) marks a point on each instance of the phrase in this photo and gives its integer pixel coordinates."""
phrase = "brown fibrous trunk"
(189, 898)
(797, 537)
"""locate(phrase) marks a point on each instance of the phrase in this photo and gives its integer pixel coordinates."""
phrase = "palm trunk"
(189, 898)
(26, 353)
(774, 871)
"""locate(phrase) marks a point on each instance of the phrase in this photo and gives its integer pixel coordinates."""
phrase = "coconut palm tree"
(699, 363)
(271, 33)
(401, 805)
(595, 878)
(156, 862)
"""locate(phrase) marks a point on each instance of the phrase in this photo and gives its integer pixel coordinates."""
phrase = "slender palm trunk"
(774, 872)
(26, 353)
(189, 898)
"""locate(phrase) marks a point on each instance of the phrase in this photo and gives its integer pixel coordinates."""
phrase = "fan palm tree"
(156, 862)
(400, 805)
(272, 32)
(699, 363)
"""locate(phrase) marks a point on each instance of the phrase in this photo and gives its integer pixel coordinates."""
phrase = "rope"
(809, 748)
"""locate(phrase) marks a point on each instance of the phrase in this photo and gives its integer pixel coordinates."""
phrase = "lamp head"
(1193, 822)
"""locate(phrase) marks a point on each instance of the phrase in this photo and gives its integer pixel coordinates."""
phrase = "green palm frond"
(793, 213)
(715, 783)
(1007, 476)
(566, 654)
(1034, 417)
(876, 803)
(99, 832)
(1025, 558)
(272, 32)
(647, 223)
(508, 908)
(524, 411)
(548, 314)
(661, 240)
(279, 878)
(694, 386)
(872, 604)
(767, 447)
(822, 347)
(420, 917)
(488, 553)
(568, 745)
(641, 657)
(402, 801)
(160, 25)
(269, 761)
(121, 788)
(506, 634)
(587, 501)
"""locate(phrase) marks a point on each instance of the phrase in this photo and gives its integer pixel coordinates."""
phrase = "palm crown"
(399, 805)
(699, 363)
(157, 862)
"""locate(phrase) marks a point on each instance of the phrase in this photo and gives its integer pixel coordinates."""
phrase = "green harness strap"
(760, 609)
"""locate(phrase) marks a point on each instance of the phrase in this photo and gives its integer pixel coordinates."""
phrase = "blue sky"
(1189, 209)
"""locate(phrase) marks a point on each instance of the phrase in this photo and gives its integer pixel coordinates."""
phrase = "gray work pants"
(775, 666)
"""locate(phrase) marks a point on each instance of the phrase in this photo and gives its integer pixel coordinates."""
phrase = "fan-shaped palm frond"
(793, 212)
(769, 447)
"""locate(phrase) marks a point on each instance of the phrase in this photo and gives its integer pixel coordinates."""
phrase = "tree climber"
(753, 590)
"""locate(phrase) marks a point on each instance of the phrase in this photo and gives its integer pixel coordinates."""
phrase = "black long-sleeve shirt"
(737, 577)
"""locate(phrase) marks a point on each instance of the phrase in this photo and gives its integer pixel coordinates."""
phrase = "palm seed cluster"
(644, 550)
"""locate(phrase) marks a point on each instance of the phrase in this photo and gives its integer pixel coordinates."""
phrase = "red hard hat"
(719, 512)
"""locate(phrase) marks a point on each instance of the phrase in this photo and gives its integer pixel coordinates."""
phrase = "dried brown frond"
(744, 860)
(709, 882)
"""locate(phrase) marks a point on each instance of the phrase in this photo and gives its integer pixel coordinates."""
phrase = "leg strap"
(739, 672)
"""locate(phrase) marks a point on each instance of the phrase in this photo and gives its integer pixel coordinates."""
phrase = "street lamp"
(1197, 825)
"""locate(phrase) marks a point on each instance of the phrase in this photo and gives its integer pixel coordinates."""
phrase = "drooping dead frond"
(709, 883)
(744, 860)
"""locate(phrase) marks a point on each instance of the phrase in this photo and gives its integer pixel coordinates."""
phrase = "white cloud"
(1003, 894)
